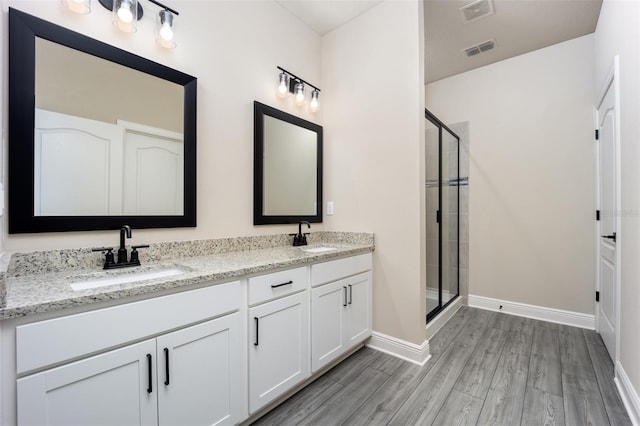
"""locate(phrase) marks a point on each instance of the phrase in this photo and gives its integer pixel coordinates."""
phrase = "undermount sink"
(103, 279)
(318, 249)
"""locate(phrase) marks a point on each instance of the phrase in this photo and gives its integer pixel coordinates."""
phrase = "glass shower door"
(441, 215)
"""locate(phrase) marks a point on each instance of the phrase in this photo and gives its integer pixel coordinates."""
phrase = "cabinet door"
(199, 374)
(114, 388)
(328, 308)
(278, 347)
(358, 318)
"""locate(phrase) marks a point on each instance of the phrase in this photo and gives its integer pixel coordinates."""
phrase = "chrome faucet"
(300, 239)
(123, 262)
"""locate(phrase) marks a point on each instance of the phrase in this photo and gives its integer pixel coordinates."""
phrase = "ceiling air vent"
(480, 48)
(476, 10)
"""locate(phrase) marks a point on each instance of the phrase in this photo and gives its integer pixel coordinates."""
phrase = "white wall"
(374, 116)
(531, 177)
(618, 33)
(233, 48)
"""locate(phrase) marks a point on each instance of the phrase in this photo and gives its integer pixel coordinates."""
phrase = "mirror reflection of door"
(90, 168)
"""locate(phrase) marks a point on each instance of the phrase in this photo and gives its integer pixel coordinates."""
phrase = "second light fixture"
(290, 83)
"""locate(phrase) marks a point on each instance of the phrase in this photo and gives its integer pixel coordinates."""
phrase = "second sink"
(318, 249)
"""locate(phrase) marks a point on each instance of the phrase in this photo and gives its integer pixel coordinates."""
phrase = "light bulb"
(283, 87)
(299, 93)
(124, 13)
(166, 32)
(313, 105)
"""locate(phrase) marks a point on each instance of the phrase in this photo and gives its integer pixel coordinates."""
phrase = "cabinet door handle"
(280, 285)
(166, 366)
(350, 293)
(257, 320)
(150, 387)
(345, 296)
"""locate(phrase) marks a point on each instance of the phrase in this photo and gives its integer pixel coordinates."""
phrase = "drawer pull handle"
(280, 285)
(257, 320)
(150, 387)
(166, 366)
(345, 296)
(350, 293)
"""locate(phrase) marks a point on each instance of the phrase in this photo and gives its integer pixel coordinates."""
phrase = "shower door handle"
(437, 216)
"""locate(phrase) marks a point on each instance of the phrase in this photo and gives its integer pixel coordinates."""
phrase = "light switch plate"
(329, 207)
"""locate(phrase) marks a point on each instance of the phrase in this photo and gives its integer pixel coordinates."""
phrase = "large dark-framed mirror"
(287, 168)
(114, 168)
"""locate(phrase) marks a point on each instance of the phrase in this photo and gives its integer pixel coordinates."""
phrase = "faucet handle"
(109, 259)
(134, 253)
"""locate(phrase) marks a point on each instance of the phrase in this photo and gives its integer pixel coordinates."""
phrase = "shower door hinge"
(597, 296)
(597, 134)
(597, 214)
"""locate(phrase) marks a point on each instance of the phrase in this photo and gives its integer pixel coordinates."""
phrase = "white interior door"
(607, 277)
(73, 167)
(153, 170)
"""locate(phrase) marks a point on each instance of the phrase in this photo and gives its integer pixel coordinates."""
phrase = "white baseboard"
(559, 316)
(441, 319)
(628, 394)
(417, 354)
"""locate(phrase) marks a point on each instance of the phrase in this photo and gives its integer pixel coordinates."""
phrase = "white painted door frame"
(611, 81)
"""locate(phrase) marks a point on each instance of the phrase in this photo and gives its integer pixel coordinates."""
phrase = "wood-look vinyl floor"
(486, 368)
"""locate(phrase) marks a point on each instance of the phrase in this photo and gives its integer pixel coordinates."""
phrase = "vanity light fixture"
(166, 26)
(126, 13)
(299, 94)
(313, 105)
(283, 86)
(78, 6)
(291, 83)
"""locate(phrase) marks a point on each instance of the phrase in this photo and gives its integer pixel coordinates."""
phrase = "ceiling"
(323, 16)
(516, 26)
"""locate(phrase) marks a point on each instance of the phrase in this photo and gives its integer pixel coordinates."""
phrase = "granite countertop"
(45, 291)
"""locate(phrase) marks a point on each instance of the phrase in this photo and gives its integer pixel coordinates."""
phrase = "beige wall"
(233, 48)
(618, 33)
(374, 116)
(531, 177)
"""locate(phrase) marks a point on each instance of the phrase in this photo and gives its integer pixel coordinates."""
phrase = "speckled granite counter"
(39, 282)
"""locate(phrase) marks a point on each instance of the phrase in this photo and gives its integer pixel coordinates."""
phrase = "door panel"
(278, 348)
(607, 226)
(107, 389)
(203, 384)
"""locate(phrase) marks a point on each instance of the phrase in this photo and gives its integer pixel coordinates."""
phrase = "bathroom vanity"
(217, 342)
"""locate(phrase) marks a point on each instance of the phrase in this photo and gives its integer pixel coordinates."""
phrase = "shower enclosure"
(442, 198)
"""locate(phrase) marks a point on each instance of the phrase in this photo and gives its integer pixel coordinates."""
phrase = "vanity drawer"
(326, 272)
(278, 284)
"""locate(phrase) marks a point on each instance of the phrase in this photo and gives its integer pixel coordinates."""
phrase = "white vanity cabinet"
(189, 376)
(340, 307)
(278, 334)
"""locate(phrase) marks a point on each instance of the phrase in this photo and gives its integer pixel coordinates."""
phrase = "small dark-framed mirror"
(95, 192)
(287, 168)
